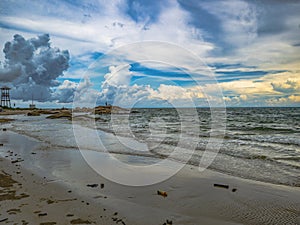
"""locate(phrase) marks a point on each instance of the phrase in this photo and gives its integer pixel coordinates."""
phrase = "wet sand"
(43, 186)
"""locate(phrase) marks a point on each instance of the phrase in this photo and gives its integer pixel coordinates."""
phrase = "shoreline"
(105, 134)
(192, 196)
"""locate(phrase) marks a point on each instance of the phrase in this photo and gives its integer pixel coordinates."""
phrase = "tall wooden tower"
(5, 99)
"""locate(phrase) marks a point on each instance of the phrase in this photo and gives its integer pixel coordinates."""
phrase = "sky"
(139, 53)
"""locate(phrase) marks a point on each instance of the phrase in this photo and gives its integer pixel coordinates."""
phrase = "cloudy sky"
(151, 53)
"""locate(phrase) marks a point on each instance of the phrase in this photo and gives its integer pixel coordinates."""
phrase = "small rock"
(92, 185)
(168, 222)
(33, 113)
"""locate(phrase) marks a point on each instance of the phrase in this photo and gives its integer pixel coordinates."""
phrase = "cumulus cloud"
(284, 101)
(271, 89)
(116, 82)
(294, 98)
(241, 26)
(118, 76)
(32, 67)
(117, 89)
(235, 100)
(243, 97)
(65, 93)
(174, 93)
(9, 74)
(289, 86)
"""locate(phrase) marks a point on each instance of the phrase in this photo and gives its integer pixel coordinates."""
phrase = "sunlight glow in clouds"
(253, 53)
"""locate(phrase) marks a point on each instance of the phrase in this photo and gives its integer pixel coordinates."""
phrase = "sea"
(261, 144)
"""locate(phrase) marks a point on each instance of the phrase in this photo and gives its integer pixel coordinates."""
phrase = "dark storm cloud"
(9, 74)
(32, 67)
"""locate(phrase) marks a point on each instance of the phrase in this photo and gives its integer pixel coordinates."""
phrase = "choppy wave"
(267, 151)
(267, 139)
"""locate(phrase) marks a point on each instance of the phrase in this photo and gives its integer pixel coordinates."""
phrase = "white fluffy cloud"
(87, 26)
(174, 93)
(116, 89)
(81, 92)
(269, 90)
(288, 86)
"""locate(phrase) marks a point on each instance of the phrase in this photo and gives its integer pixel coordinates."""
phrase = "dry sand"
(56, 186)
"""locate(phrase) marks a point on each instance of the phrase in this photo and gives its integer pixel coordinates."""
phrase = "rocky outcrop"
(48, 111)
(110, 110)
(33, 113)
(5, 120)
(62, 114)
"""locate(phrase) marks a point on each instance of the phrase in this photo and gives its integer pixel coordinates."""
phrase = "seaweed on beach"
(7, 191)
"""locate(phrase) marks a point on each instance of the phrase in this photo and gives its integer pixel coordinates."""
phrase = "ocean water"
(258, 143)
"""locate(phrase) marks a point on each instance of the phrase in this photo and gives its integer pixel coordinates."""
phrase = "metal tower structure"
(5, 99)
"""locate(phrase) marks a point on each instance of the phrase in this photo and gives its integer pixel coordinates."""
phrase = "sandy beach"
(58, 187)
